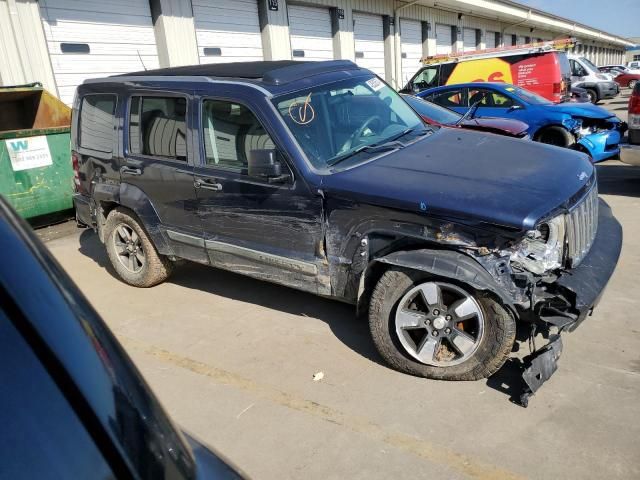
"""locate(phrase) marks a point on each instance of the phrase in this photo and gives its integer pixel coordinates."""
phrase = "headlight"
(572, 124)
(542, 249)
(584, 131)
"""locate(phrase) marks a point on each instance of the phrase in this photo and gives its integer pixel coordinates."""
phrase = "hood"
(469, 177)
(513, 127)
(588, 110)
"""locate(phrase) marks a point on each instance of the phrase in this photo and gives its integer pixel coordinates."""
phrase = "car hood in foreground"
(470, 177)
(506, 125)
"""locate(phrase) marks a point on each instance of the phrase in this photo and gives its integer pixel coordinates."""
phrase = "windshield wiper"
(390, 144)
(373, 148)
(471, 113)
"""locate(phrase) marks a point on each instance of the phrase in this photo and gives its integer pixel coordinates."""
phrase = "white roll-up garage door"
(97, 38)
(490, 39)
(469, 39)
(369, 42)
(444, 43)
(411, 41)
(521, 40)
(310, 31)
(227, 30)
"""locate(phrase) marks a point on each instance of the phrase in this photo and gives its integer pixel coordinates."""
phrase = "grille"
(582, 225)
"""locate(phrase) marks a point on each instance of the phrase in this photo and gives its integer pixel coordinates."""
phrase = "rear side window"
(97, 122)
(157, 127)
(450, 98)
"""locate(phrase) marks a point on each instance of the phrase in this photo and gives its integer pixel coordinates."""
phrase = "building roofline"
(512, 11)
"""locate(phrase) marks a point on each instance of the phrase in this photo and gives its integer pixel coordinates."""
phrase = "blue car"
(581, 126)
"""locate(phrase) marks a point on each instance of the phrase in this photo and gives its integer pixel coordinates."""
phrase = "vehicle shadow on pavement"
(618, 179)
(340, 317)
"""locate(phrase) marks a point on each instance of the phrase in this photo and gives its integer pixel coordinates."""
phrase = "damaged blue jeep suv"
(320, 177)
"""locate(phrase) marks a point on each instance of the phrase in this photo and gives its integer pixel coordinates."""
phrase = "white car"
(635, 65)
(627, 69)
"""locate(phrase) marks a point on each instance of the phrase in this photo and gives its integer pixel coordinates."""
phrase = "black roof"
(275, 72)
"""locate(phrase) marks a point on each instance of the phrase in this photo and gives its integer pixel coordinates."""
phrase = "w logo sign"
(20, 145)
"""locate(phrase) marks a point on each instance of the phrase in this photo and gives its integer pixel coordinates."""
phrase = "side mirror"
(266, 165)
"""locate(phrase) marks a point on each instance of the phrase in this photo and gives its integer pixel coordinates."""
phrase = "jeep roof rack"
(535, 47)
(276, 72)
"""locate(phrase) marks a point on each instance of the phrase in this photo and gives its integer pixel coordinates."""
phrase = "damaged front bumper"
(583, 285)
(601, 145)
(572, 298)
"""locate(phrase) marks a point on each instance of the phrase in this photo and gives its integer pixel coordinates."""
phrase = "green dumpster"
(36, 175)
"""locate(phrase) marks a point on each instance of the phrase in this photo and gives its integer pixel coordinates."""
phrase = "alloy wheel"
(128, 247)
(439, 324)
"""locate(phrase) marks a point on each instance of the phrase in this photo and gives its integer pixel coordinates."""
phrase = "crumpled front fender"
(450, 264)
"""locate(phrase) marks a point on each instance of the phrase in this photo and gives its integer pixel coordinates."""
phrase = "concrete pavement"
(232, 360)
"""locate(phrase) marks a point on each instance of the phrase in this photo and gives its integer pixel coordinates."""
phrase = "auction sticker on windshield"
(27, 153)
(375, 83)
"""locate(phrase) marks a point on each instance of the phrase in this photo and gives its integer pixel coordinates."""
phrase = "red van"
(542, 68)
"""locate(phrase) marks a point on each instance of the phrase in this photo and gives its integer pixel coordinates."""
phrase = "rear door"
(411, 38)
(271, 231)
(158, 166)
(444, 39)
(368, 36)
(310, 32)
(96, 38)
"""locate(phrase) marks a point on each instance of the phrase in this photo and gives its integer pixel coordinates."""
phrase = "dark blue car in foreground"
(73, 405)
(582, 126)
(319, 176)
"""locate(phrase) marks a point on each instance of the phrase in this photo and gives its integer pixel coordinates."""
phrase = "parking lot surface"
(232, 359)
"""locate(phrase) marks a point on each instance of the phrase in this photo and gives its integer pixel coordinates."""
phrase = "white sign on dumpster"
(30, 152)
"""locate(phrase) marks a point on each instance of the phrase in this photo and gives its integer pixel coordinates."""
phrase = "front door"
(271, 231)
(157, 171)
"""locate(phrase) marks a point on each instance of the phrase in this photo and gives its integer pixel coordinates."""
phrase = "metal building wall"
(24, 57)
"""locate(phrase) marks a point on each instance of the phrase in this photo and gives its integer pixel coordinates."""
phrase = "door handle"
(130, 171)
(208, 185)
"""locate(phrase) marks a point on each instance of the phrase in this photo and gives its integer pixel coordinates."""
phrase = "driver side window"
(427, 78)
(230, 132)
(489, 98)
(576, 69)
(450, 98)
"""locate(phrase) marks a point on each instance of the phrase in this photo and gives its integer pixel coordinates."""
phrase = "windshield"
(527, 96)
(431, 111)
(345, 119)
(588, 63)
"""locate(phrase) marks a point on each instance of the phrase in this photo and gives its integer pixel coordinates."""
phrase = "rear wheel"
(133, 256)
(557, 136)
(593, 95)
(632, 83)
(435, 329)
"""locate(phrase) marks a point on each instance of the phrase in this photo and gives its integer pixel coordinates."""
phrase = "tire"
(555, 135)
(492, 348)
(152, 269)
(632, 84)
(593, 95)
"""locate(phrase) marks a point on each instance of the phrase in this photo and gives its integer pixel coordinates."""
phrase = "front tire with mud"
(432, 328)
(133, 256)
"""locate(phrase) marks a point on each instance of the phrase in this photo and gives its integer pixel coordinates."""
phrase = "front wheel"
(632, 84)
(593, 95)
(555, 135)
(436, 329)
